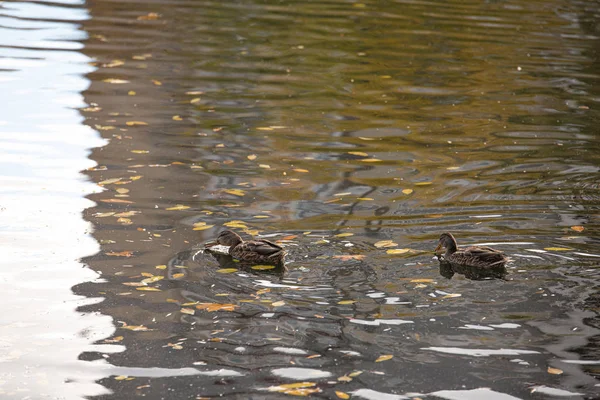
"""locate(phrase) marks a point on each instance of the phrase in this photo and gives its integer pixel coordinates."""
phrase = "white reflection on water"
(480, 352)
(43, 146)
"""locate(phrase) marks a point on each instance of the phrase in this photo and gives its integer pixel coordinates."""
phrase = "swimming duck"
(475, 256)
(251, 251)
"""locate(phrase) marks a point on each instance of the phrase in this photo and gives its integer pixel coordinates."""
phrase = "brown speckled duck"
(475, 256)
(259, 251)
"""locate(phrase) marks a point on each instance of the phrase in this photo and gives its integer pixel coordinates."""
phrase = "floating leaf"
(365, 199)
(149, 17)
(384, 358)
(109, 181)
(397, 251)
(127, 214)
(178, 207)
(423, 183)
(236, 224)
(202, 227)
(252, 157)
(555, 371)
(346, 234)
(266, 166)
(278, 303)
(124, 221)
(342, 395)
(407, 191)
(152, 279)
(161, 267)
(116, 201)
(148, 289)
(136, 123)
(156, 83)
(120, 378)
(235, 192)
(347, 302)
(140, 151)
(578, 228)
(557, 248)
(227, 270)
(210, 307)
(355, 373)
(262, 267)
(115, 81)
(119, 253)
(139, 284)
(452, 295)
(136, 328)
(344, 378)
(421, 280)
(122, 190)
(114, 63)
(358, 153)
(196, 100)
(189, 311)
(301, 170)
(385, 243)
(348, 257)
(103, 215)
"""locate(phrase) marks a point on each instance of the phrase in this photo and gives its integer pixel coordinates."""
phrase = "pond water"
(353, 134)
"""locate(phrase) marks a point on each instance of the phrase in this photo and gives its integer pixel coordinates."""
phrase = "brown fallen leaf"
(210, 307)
(385, 243)
(554, 371)
(348, 257)
(119, 253)
(136, 123)
(578, 228)
(342, 395)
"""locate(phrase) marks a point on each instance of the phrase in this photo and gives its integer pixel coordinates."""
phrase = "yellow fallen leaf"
(557, 248)
(196, 100)
(278, 303)
(109, 181)
(346, 234)
(202, 227)
(177, 118)
(344, 378)
(136, 123)
(122, 190)
(554, 371)
(266, 166)
(348, 257)
(397, 251)
(124, 221)
(114, 63)
(301, 170)
(140, 151)
(385, 243)
(194, 92)
(451, 295)
(161, 267)
(578, 228)
(227, 270)
(236, 224)
(210, 307)
(178, 275)
(423, 183)
(119, 253)
(262, 267)
(116, 201)
(370, 160)
(115, 81)
(358, 153)
(136, 328)
(342, 395)
(407, 191)
(235, 192)
(188, 311)
(135, 178)
(421, 280)
(365, 199)
(138, 284)
(120, 378)
(178, 207)
(384, 358)
(157, 83)
(131, 93)
(347, 302)
(148, 289)
(252, 157)
(355, 373)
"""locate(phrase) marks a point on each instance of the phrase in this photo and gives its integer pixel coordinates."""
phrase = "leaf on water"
(398, 251)
(177, 118)
(555, 371)
(385, 243)
(115, 81)
(236, 224)
(423, 183)
(109, 181)
(105, 127)
(262, 267)
(235, 192)
(156, 83)
(116, 339)
(344, 378)
(355, 373)
(189, 311)
(301, 170)
(261, 216)
(153, 279)
(578, 228)
(135, 177)
(348, 257)
(122, 190)
(131, 93)
(140, 151)
(365, 199)
(278, 303)
(117, 201)
(202, 227)
(384, 357)
(114, 63)
(139, 284)
(343, 194)
(227, 270)
(265, 166)
(434, 215)
(161, 267)
(127, 214)
(290, 237)
(120, 378)
(210, 307)
(347, 302)
(342, 395)
(124, 221)
(102, 215)
(313, 356)
(407, 191)
(194, 92)
(178, 207)
(119, 253)
(252, 157)
(557, 248)
(136, 123)
(149, 17)
(452, 168)
(136, 328)
(346, 234)
(370, 160)
(148, 289)
(451, 295)
(421, 280)
(196, 100)
(358, 153)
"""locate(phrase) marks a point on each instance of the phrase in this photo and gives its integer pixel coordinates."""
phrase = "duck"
(475, 256)
(259, 251)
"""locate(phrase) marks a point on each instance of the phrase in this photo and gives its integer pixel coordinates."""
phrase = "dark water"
(331, 127)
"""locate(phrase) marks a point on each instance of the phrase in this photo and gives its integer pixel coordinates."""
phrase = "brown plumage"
(475, 256)
(252, 251)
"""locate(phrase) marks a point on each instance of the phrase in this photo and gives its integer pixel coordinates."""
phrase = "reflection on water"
(350, 133)
(43, 146)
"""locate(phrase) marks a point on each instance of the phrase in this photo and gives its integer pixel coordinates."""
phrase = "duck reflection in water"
(475, 262)
(246, 253)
